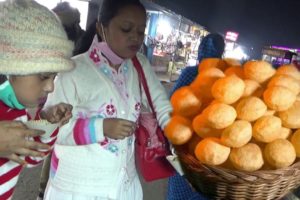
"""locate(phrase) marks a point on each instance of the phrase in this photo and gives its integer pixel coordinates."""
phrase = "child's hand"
(118, 128)
(60, 113)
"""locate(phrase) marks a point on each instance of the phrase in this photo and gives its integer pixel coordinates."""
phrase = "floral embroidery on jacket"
(106, 71)
(95, 56)
(137, 108)
(106, 110)
(110, 109)
(110, 145)
(130, 140)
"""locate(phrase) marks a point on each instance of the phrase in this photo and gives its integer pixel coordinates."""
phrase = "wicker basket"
(220, 183)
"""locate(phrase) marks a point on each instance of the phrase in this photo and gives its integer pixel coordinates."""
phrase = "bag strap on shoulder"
(142, 79)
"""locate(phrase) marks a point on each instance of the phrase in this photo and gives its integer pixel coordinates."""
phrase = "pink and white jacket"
(84, 160)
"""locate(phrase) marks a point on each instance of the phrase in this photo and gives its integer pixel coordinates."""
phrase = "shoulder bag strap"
(142, 79)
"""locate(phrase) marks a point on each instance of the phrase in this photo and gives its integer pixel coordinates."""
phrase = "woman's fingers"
(30, 132)
(12, 124)
(36, 145)
(29, 152)
(16, 158)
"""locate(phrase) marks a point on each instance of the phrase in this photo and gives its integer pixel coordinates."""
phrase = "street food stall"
(278, 56)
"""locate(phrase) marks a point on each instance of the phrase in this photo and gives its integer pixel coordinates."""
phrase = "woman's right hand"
(116, 128)
(14, 142)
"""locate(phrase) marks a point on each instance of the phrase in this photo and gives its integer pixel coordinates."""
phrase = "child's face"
(125, 32)
(32, 90)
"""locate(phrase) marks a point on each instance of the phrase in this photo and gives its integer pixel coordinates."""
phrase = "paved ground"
(27, 188)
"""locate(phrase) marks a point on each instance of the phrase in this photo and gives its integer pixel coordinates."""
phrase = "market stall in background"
(171, 40)
(281, 55)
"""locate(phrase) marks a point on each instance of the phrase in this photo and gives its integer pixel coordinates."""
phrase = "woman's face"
(32, 90)
(125, 32)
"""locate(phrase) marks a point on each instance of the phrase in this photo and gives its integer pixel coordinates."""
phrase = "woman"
(94, 154)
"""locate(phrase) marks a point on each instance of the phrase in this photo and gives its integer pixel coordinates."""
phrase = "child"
(33, 48)
(93, 157)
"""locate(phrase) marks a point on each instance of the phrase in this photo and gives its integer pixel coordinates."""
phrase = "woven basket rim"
(218, 182)
(234, 175)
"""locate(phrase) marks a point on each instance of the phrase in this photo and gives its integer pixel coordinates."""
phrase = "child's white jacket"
(84, 160)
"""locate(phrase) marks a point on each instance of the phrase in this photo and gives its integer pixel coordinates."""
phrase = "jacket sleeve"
(158, 93)
(81, 129)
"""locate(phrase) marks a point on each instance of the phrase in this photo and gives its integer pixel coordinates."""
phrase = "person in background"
(70, 19)
(211, 46)
(94, 157)
(34, 48)
(85, 41)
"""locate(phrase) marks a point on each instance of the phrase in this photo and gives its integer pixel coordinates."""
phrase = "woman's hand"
(13, 141)
(60, 113)
(118, 128)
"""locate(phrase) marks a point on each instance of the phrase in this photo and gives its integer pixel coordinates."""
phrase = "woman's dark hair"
(86, 39)
(211, 46)
(218, 42)
(110, 9)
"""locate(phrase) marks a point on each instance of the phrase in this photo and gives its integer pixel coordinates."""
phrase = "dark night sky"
(259, 22)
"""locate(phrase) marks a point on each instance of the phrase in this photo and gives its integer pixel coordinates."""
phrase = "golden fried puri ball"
(269, 112)
(219, 115)
(289, 70)
(250, 108)
(231, 62)
(251, 88)
(259, 71)
(284, 133)
(205, 80)
(237, 70)
(298, 97)
(212, 63)
(296, 142)
(280, 153)
(179, 130)
(185, 102)
(212, 72)
(247, 158)
(279, 98)
(210, 151)
(267, 129)
(228, 89)
(237, 134)
(291, 118)
(287, 82)
(202, 129)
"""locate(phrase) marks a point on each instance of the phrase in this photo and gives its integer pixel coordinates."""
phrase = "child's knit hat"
(32, 39)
